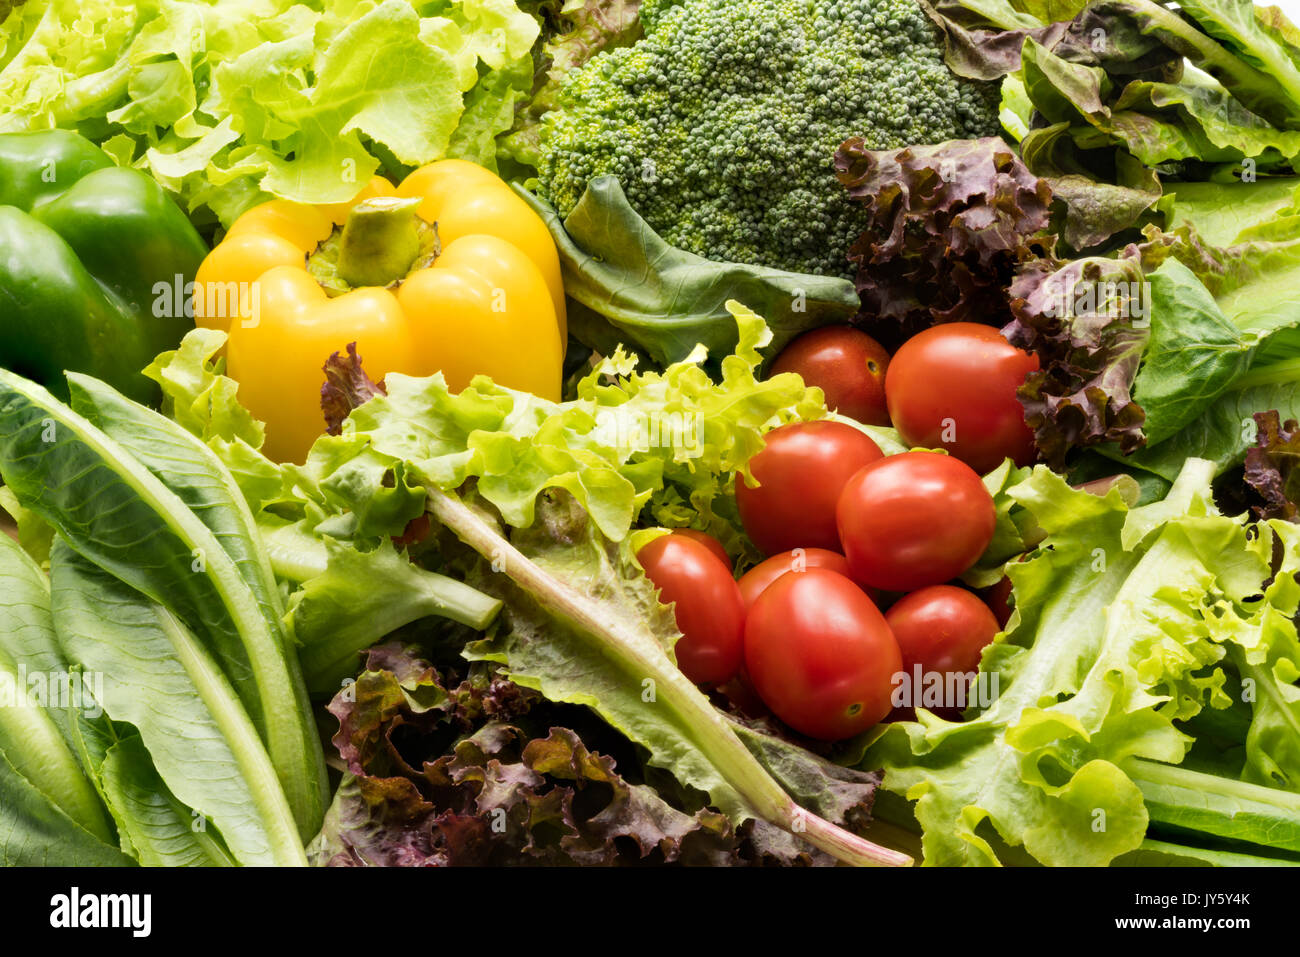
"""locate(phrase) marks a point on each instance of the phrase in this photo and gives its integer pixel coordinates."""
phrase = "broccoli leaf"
(628, 287)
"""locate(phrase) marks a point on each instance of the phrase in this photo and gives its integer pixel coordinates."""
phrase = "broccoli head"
(722, 121)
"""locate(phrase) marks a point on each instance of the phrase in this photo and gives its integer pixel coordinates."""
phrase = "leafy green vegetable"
(37, 833)
(1224, 343)
(1209, 804)
(359, 595)
(1086, 321)
(170, 688)
(516, 785)
(35, 731)
(66, 470)
(1220, 212)
(948, 226)
(1193, 355)
(161, 831)
(1270, 466)
(1154, 853)
(230, 103)
(627, 286)
(1128, 95)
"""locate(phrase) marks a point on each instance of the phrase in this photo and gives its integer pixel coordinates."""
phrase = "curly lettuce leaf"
(1155, 121)
(512, 787)
(627, 439)
(229, 104)
(948, 226)
(1271, 466)
(1085, 322)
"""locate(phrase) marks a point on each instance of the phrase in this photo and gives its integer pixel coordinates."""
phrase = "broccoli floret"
(723, 119)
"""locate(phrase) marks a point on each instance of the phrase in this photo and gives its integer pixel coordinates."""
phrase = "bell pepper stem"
(380, 241)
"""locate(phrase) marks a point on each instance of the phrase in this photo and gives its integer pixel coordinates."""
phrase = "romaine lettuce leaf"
(172, 690)
(65, 469)
(37, 736)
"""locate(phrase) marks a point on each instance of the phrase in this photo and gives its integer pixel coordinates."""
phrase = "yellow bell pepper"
(450, 271)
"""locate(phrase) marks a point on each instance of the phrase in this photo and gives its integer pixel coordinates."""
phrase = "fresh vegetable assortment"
(674, 432)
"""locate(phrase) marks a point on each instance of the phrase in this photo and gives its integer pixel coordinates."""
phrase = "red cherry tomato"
(802, 469)
(941, 628)
(708, 541)
(915, 519)
(710, 613)
(846, 364)
(953, 386)
(755, 581)
(999, 601)
(820, 655)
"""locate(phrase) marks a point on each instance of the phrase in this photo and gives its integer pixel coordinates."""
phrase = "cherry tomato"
(846, 364)
(953, 386)
(941, 628)
(708, 541)
(999, 601)
(416, 531)
(710, 613)
(820, 654)
(915, 519)
(755, 581)
(802, 469)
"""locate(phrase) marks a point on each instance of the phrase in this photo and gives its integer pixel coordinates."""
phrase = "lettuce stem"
(1224, 807)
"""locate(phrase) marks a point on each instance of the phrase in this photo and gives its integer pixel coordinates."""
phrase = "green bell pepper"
(94, 259)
